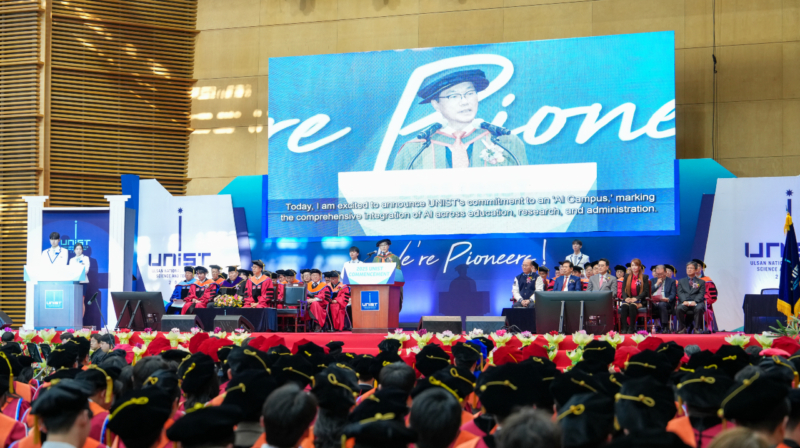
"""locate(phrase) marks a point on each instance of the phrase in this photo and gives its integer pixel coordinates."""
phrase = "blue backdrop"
(90, 228)
(343, 112)
(467, 275)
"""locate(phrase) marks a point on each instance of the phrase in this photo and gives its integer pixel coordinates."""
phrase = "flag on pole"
(789, 292)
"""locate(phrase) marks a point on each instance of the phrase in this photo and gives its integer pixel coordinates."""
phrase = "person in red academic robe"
(215, 275)
(340, 297)
(317, 295)
(258, 289)
(200, 293)
(102, 383)
(620, 270)
(543, 273)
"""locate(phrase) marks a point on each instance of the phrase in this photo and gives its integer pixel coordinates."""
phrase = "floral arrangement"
(83, 333)
(104, 331)
(27, 335)
(765, 339)
(447, 337)
(575, 355)
(228, 301)
(640, 336)
(582, 338)
(148, 335)
(137, 353)
(526, 337)
(398, 334)
(739, 339)
(791, 329)
(553, 339)
(175, 337)
(218, 333)
(475, 333)
(47, 335)
(613, 338)
(492, 154)
(124, 335)
(239, 336)
(501, 337)
(195, 330)
(422, 337)
(411, 350)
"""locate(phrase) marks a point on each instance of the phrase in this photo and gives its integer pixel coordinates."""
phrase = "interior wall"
(757, 45)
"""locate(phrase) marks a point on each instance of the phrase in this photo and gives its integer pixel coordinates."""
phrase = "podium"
(58, 296)
(375, 296)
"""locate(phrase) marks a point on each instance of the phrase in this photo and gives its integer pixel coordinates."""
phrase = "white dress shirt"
(54, 257)
(82, 260)
(577, 260)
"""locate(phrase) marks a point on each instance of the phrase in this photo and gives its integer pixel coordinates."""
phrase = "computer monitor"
(598, 311)
(151, 308)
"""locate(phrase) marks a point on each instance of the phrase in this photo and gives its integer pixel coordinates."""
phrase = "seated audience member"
(792, 437)
(544, 274)
(201, 292)
(397, 375)
(691, 298)
(210, 427)
(258, 287)
(759, 403)
(436, 418)
(529, 428)
(138, 418)
(526, 284)
(247, 392)
(663, 296)
(334, 388)
(633, 295)
(180, 292)
(586, 420)
(287, 416)
(63, 410)
(339, 299)
(567, 281)
(620, 272)
(603, 281)
(702, 391)
(740, 438)
(317, 295)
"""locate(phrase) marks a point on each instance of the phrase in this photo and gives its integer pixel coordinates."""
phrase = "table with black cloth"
(522, 318)
(263, 319)
(761, 312)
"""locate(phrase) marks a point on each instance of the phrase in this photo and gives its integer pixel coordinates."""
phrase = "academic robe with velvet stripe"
(317, 310)
(340, 297)
(257, 290)
(200, 291)
(438, 154)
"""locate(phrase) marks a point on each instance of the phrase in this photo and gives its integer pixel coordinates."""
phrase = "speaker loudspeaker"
(488, 324)
(182, 323)
(231, 323)
(438, 324)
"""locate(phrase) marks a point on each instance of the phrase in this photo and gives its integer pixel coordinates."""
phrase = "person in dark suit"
(663, 296)
(691, 297)
(635, 288)
(567, 281)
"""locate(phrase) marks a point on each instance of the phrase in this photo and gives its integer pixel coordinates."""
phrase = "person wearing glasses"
(461, 142)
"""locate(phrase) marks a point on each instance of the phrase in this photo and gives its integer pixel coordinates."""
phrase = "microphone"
(92, 299)
(426, 133)
(372, 253)
(495, 130)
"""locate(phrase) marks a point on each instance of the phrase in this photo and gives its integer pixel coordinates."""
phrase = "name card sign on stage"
(371, 274)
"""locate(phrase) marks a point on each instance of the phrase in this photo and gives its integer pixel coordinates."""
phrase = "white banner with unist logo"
(745, 241)
(178, 231)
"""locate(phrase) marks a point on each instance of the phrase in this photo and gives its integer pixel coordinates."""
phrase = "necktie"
(601, 280)
(459, 151)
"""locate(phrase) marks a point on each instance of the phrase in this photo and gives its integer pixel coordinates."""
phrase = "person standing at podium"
(55, 255)
(80, 259)
(526, 285)
(384, 256)
(200, 292)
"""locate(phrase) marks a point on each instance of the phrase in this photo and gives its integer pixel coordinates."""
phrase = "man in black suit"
(663, 296)
(691, 297)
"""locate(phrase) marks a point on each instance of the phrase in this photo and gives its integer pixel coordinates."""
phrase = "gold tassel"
(788, 223)
(37, 436)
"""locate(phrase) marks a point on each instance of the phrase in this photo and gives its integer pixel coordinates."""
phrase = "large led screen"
(547, 137)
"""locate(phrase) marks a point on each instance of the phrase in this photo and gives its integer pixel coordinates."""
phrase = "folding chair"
(295, 307)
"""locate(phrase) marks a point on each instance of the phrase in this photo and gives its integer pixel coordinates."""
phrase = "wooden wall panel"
(20, 65)
(121, 78)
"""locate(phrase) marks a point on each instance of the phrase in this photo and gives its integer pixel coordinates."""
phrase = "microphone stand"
(496, 141)
(424, 147)
(102, 319)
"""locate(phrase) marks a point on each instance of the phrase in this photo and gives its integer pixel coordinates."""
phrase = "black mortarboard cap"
(505, 387)
(648, 363)
(572, 383)
(214, 266)
(382, 360)
(62, 374)
(779, 369)
(247, 358)
(651, 438)
(174, 355)
(430, 359)
(165, 380)
(619, 267)
(591, 367)
(382, 431)
(100, 378)
(248, 391)
(389, 345)
(308, 349)
(753, 397)
(385, 240)
(644, 403)
(201, 270)
(316, 271)
(731, 359)
(66, 396)
(610, 382)
(334, 347)
(195, 372)
(459, 381)
(65, 355)
(672, 351)
(275, 352)
(487, 342)
(705, 388)
(321, 361)
(139, 414)
(466, 352)
(388, 400)
(586, 419)
(362, 364)
(699, 359)
(336, 388)
(294, 368)
(258, 263)
(209, 426)
(188, 269)
(600, 351)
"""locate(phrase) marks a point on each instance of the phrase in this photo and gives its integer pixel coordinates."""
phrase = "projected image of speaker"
(486, 323)
(231, 323)
(439, 324)
(182, 323)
